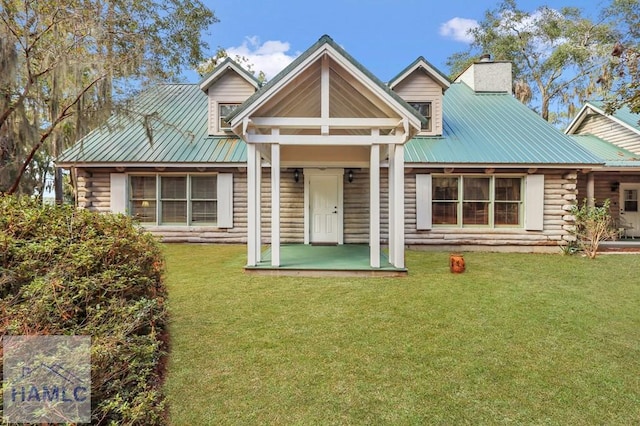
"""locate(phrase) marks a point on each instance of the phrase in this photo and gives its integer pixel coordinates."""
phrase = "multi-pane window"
(477, 201)
(631, 200)
(424, 108)
(142, 196)
(508, 201)
(223, 111)
(204, 205)
(174, 199)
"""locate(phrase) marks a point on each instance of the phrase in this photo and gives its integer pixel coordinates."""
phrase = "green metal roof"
(494, 128)
(325, 39)
(612, 155)
(488, 128)
(177, 114)
(623, 114)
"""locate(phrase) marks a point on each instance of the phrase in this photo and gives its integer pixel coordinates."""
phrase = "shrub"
(592, 225)
(73, 272)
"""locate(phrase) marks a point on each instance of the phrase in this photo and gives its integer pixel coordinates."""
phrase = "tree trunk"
(544, 109)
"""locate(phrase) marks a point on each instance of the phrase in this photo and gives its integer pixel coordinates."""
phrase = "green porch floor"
(305, 257)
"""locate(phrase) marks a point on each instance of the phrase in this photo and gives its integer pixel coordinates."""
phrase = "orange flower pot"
(456, 263)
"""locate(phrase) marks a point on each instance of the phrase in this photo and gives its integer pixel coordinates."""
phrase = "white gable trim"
(583, 114)
(431, 72)
(226, 66)
(326, 49)
(577, 120)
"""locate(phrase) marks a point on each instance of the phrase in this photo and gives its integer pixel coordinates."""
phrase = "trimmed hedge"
(73, 272)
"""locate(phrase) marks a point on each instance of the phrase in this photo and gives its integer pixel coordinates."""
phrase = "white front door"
(629, 209)
(325, 207)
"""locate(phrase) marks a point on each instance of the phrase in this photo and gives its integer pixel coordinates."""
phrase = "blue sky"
(383, 35)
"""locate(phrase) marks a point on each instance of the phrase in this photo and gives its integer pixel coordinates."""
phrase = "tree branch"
(61, 117)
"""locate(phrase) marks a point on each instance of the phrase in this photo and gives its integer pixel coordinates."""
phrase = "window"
(477, 201)
(223, 111)
(180, 200)
(203, 200)
(143, 198)
(631, 200)
(424, 108)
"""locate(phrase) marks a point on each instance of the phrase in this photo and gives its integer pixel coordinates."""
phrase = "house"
(615, 139)
(348, 160)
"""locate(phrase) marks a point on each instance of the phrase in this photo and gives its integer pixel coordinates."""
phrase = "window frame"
(221, 118)
(159, 199)
(462, 199)
(428, 127)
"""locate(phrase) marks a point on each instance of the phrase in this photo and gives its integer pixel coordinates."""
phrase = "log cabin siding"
(94, 194)
(559, 194)
(607, 129)
(212, 234)
(231, 88)
(94, 190)
(419, 87)
(561, 191)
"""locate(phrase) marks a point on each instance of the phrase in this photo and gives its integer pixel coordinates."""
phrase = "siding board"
(560, 185)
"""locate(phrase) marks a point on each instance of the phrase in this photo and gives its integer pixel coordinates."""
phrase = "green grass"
(516, 339)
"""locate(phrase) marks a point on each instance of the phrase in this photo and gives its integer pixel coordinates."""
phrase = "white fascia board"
(577, 120)
(435, 75)
(222, 70)
(150, 165)
(332, 122)
(325, 49)
(614, 119)
(498, 166)
(237, 120)
(375, 88)
(326, 140)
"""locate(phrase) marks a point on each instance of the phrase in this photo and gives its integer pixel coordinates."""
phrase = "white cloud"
(458, 29)
(270, 57)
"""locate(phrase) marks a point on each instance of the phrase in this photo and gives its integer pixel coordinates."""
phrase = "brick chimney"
(487, 75)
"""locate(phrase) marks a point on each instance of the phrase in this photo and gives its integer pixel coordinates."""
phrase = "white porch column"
(275, 204)
(252, 206)
(591, 190)
(398, 207)
(374, 207)
(258, 197)
(391, 212)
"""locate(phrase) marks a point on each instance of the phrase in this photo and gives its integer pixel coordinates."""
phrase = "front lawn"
(518, 338)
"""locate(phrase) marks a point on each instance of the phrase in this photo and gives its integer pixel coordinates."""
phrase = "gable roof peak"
(427, 67)
(222, 68)
(324, 45)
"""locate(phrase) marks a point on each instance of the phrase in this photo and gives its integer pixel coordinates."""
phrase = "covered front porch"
(321, 116)
(321, 260)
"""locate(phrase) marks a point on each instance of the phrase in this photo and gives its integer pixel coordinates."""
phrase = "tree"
(593, 224)
(557, 55)
(625, 55)
(65, 65)
(209, 65)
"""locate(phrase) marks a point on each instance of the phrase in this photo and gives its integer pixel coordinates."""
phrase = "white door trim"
(308, 174)
(630, 219)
